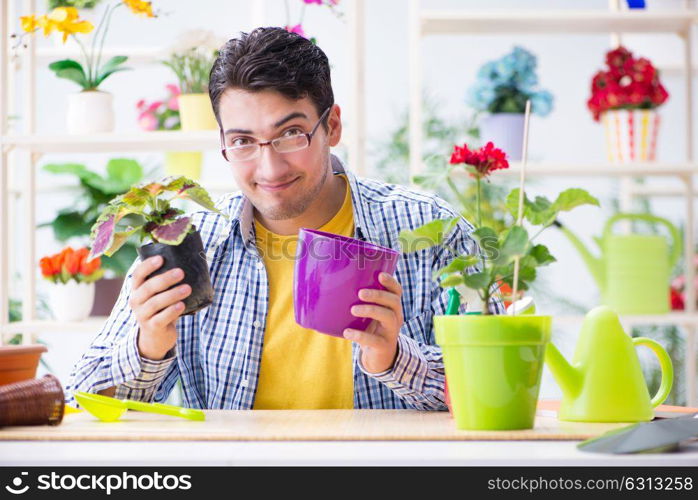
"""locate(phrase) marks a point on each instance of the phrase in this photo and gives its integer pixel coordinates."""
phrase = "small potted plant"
(493, 363)
(73, 276)
(164, 115)
(91, 109)
(502, 88)
(172, 234)
(625, 97)
(191, 60)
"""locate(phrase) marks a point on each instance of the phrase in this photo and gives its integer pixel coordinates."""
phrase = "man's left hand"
(379, 342)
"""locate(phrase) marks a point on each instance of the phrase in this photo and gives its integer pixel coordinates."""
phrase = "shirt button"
(260, 265)
(256, 324)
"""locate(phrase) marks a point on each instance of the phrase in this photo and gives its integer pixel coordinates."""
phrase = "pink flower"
(173, 89)
(298, 29)
(147, 121)
(140, 104)
(173, 103)
(154, 106)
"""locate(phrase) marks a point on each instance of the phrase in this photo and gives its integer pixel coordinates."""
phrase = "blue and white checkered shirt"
(219, 349)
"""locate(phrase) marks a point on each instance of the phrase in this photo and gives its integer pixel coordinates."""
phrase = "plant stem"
(458, 194)
(104, 35)
(477, 201)
(95, 35)
(288, 15)
(88, 62)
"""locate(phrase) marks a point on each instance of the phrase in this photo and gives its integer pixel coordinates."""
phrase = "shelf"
(562, 22)
(597, 169)
(95, 323)
(113, 142)
(217, 187)
(136, 55)
(92, 324)
(671, 318)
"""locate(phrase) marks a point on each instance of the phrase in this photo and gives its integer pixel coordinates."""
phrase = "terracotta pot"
(106, 293)
(19, 362)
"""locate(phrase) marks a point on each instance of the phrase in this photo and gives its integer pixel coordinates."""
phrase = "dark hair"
(272, 59)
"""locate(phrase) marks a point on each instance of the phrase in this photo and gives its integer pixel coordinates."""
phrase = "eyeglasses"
(288, 144)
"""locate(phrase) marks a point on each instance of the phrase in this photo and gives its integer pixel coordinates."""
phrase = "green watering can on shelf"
(604, 382)
(634, 270)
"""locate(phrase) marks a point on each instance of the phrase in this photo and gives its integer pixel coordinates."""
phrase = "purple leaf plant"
(149, 202)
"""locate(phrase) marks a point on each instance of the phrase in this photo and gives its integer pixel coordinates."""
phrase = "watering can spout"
(567, 376)
(594, 264)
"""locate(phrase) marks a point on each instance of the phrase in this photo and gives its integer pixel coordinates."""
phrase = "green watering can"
(634, 270)
(604, 383)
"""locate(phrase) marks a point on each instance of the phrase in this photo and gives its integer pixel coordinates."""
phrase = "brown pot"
(19, 362)
(106, 292)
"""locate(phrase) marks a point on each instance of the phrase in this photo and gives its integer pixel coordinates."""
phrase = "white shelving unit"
(614, 22)
(36, 145)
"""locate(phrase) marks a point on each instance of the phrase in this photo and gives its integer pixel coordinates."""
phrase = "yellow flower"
(66, 20)
(29, 23)
(140, 7)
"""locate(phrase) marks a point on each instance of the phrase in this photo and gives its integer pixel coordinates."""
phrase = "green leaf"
(198, 195)
(69, 224)
(451, 281)
(110, 67)
(125, 171)
(572, 198)
(515, 241)
(541, 254)
(477, 281)
(488, 241)
(426, 236)
(460, 263)
(65, 168)
(70, 70)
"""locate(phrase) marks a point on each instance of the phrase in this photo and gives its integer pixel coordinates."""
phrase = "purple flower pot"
(330, 270)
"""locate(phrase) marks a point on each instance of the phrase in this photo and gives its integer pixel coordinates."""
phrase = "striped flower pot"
(631, 135)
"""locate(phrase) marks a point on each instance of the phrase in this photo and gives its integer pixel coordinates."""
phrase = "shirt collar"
(243, 213)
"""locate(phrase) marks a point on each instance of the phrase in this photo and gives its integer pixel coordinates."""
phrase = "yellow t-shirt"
(301, 368)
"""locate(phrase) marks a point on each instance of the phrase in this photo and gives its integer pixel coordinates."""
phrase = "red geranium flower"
(481, 162)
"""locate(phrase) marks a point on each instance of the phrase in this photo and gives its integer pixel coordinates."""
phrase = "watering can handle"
(673, 232)
(665, 365)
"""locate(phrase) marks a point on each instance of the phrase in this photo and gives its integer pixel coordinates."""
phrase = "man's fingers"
(382, 314)
(381, 297)
(156, 285)
(162, 300)
(166, 316)
(364, 339)
(390, 283)
(144, 269)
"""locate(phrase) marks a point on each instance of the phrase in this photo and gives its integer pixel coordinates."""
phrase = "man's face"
(279, 185)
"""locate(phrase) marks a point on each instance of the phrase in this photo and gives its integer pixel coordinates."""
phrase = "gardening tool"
(633, 271)
(110, 409)
(604, 383)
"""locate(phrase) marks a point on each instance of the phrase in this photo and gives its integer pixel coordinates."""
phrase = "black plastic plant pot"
(190, 257)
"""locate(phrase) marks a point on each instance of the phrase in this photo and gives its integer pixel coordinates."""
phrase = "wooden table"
(325, 437)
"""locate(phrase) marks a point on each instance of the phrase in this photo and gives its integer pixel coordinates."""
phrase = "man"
(272, 95)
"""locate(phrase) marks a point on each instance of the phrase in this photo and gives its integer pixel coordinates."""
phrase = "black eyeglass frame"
(309, 137)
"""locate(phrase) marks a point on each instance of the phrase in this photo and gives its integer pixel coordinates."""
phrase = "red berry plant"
(626, 83)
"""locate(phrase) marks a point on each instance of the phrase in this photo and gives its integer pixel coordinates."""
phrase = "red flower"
(483, 161)
(628, 83)
(677, 302)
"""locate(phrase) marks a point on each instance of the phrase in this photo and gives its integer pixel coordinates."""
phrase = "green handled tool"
(111, 409)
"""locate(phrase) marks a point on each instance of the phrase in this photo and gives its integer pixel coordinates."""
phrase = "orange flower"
(47, 268)
(72, 262)
(90, 266)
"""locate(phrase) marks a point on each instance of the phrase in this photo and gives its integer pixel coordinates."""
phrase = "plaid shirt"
(219, 349)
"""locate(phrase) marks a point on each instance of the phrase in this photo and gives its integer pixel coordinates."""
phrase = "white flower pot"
(72, 301)
(631, 135)
(90, 112)
(505, 130)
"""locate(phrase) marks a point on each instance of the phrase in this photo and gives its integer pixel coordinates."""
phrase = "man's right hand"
(156, 308)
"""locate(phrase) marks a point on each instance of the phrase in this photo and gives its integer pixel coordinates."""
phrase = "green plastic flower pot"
(493, 365)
